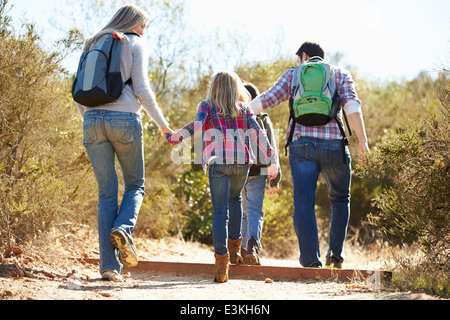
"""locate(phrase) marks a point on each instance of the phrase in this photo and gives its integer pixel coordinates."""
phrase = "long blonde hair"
(226, 91)
(124, 20)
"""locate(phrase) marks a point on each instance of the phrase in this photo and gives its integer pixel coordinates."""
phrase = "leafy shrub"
(192, 189)
(414, 204)
(279, 237)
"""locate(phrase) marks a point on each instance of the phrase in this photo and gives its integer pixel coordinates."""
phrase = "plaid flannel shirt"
(281, 91)
(226, 140)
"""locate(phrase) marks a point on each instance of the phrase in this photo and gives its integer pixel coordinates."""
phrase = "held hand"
(273, 190)
(166, 130)
(273, 171)
(167, 133)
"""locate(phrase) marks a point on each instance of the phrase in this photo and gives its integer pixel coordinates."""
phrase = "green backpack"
(314, 99)
(313, 87)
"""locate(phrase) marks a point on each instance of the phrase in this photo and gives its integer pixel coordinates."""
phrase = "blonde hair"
(124, 20)
(226, 91)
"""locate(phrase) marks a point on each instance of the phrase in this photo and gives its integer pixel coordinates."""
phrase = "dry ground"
(52, 271)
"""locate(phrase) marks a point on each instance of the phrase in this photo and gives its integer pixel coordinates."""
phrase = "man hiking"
(317, 145)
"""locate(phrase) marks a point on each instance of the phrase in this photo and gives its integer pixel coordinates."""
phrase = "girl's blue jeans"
(308, 158)
(226, 183)
(108, 135)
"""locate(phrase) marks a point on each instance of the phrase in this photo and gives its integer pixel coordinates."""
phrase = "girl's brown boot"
(234, 248)
(222, 265)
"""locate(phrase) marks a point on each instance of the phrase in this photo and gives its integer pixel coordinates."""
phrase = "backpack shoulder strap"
(296, 82)
(129, 82)
(132, 33)
(332, 87)
(330, 79)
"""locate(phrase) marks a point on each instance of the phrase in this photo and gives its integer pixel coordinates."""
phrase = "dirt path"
(34, 276)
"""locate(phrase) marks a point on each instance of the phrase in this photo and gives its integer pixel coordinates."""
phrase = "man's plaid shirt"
(281, 91)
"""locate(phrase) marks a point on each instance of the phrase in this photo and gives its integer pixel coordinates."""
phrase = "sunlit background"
(383, 39)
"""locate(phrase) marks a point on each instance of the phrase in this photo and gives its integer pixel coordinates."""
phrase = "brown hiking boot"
(234, 249)
(252, 255)
(243, 253)
(222, 265)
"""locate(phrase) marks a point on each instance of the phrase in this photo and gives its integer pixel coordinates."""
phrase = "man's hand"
(357, 122)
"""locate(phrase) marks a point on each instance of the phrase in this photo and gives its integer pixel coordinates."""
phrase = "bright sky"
(383, 39)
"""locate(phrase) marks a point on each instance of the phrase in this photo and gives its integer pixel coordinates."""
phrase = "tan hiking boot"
(234, 249)
(222, 266)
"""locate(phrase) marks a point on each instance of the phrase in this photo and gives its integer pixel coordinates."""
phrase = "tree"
(36, 131)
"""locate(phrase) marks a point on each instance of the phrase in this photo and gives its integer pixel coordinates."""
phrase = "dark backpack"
(261, 120)
(99, 79)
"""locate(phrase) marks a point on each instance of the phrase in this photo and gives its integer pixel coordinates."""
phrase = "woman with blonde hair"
(115, 130)
(227, 126)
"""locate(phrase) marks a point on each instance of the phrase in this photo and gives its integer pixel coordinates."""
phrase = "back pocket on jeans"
(334, 156)
(298, 152)
(89, 131)
(217, 171)
(123, 130)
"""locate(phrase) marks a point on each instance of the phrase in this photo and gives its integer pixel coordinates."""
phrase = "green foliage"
(410, 164)
(422, 278)
(279, 237)
(192, 188)
(413, 205)
(155, 220)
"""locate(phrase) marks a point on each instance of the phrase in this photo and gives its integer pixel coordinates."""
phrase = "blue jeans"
(252, 203)
(226, 183)
(308, 158)
(109, 134)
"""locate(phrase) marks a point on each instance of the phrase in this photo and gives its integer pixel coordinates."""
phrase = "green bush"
(192, 189)
(279, 237)
(413, 206)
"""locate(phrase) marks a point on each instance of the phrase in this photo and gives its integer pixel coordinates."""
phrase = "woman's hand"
(166, 130)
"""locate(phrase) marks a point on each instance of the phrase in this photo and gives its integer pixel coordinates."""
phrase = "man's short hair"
(312, 50)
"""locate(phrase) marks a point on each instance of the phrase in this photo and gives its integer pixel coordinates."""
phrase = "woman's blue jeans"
(308, 158)
(109, 134)
(226, 183)
(253, 215)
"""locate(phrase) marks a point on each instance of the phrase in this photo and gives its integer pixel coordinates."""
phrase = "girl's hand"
(273, 171)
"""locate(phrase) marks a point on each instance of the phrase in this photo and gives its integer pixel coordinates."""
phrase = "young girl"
(115, 130)
(227, 124)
